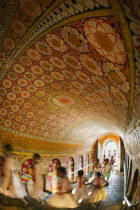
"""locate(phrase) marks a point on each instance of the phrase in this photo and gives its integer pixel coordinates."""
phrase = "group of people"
(105, 168)
(63, 198)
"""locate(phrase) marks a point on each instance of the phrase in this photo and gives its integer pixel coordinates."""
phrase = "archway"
(52, 174)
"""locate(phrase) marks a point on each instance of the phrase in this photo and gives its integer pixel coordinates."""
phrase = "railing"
(55, 178)
(128, 203)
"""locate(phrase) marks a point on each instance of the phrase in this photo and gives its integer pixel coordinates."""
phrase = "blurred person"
(11, 184)
(81, 187)
(97, 167)
(107, 169)
(37, 173)
(98, 192)
(64, 197)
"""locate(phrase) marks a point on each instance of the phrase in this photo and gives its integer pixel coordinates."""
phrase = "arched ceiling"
(65, 78)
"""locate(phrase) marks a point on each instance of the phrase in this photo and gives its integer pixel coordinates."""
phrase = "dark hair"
(97, 160)
(62, 170)
(37, 156)
(98, 174)
(8, 147)
(80, 173)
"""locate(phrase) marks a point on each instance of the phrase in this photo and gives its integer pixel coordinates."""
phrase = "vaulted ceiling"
(67, 73)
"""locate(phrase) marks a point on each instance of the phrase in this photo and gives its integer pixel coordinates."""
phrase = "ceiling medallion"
(62, 99)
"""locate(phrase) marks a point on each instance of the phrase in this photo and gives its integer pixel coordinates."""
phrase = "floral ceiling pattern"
(75, 74)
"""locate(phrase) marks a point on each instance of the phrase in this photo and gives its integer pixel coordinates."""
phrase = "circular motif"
(25, 61)
(46, 65)
(16, 89)
(47, 79)
(90, 64)
(9, 44)
(57, 76)
(68, 74)
(19, 118)
(12, 76)
(82, 76)
(56, 86)
(19, 101)
(32, 123)
(31, 7)
(66, 84)
(18, 68)
(57, 62)
(7, 123)
(22, 111)
(15, 108)
(33, 99)
(39, 83)
(99, 82)
(72, 61)
(74, 39)
(22, 128)
(30, 114)
(11, 115)
(7, 103)
(43, 48)
(22, 82)
(18, 27)
(25, 94)
(62, 100)
(11, 96)
(29, 75)
(40, 94)
(15, 125)
(3, 91)
(33, 54)
(3, 111)
(37, 70)
(56, 43)
(105, 39)
(31, 88)
(7, 83)
(77, 85)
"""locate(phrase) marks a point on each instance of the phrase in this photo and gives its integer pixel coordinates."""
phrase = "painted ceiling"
(67, 73)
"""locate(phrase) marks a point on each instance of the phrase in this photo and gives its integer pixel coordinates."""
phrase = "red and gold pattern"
(75, 72)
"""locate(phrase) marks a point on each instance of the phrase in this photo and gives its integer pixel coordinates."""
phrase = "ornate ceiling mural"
(64, 75)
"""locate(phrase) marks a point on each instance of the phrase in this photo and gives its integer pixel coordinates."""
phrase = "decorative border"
(7, 16)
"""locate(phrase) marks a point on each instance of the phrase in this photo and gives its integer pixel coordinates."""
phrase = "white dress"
(98, 194)
(81, 188)
(11, 185)
(59, 200)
